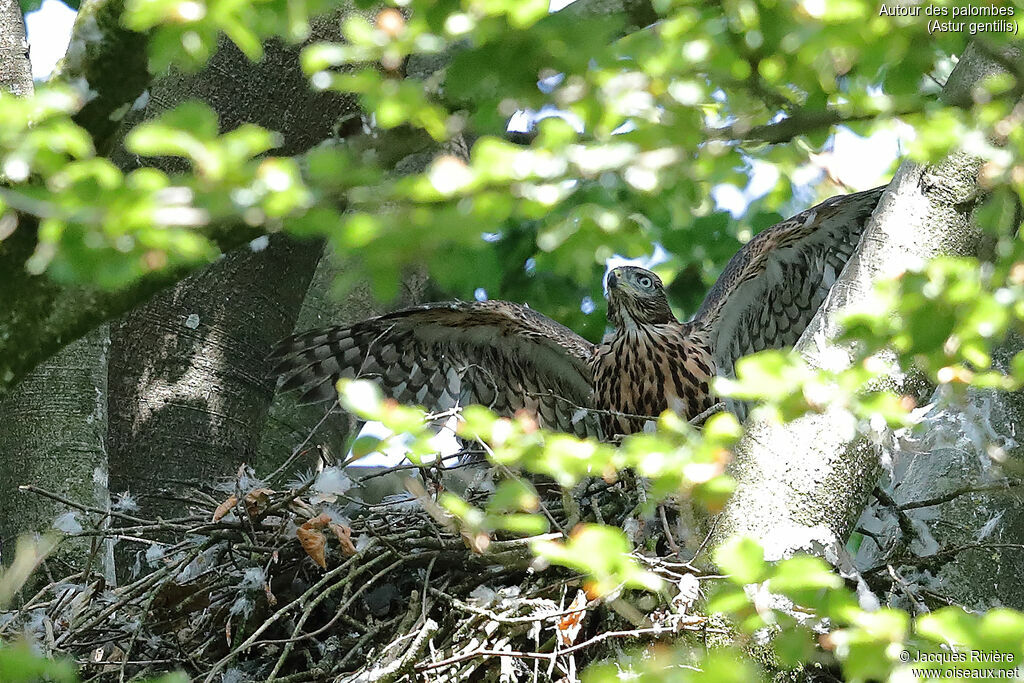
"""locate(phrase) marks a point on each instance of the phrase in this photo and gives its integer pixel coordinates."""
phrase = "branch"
(637, 13)
(39, 316)
(799, 123)
(937, 559)
(962, 491)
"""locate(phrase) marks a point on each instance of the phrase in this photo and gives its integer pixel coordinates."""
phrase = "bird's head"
(636, 296)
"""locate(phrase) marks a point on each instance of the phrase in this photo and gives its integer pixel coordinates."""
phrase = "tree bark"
(189, 388)
(189, 384)
(54, 438)
(55, 422)
(802, 486)
(108, 60)
(15, 67)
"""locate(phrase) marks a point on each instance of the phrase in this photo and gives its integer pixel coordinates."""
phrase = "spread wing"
(772, 287)
(494, 353)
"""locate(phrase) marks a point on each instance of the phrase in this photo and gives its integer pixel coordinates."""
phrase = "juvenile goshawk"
(510, 358)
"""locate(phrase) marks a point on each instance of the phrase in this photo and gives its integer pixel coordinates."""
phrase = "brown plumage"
(652, 362)
(511, 358)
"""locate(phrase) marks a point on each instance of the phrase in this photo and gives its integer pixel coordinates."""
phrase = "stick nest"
(283, 583)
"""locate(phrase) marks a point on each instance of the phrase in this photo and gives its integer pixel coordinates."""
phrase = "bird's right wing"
(495, 353)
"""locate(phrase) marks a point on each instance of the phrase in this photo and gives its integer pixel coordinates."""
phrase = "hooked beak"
(613, 279)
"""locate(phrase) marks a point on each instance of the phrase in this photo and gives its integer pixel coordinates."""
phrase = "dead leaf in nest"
(313, 540)
(314, 543)
(225, 507)
(344, 535)
(319, 522)
(569, 625)
(257, 500)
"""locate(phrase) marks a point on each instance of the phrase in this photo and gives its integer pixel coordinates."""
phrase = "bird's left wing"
(772, 287)
(440, 355)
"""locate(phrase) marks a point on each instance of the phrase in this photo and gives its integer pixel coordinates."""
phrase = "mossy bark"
(110, 61)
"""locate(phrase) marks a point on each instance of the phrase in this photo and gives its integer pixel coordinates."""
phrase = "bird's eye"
(644, 281)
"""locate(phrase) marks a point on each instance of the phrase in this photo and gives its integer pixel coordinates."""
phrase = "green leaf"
(803, 572)
(526, 525)
(513, 495)
(362, 398)
(603, 553)
(18, 664)
(794, 646)
(742, 559)
(728, 599)
(806, 580)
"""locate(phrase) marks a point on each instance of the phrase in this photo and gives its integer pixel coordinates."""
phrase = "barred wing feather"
(772, 287)
(440, 355)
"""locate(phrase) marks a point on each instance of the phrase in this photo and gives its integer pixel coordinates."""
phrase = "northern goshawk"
(510, 358)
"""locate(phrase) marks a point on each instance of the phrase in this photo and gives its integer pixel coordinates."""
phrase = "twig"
(426, 587)
(941, 557)
(548, 656)
(905, 587)
(798, 123)
(171, 525)
(300, 449)
(906, 525)
(700, 418)
(489, 614)
(956, 493)
(289, 643)
(668, 532)
(397, 668)
(301, 600)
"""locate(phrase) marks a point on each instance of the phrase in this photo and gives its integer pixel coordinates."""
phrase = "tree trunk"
(189, 388)
(54, 438)
(802, 486)
(15, 67)
(55, 421)
(189, 385)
